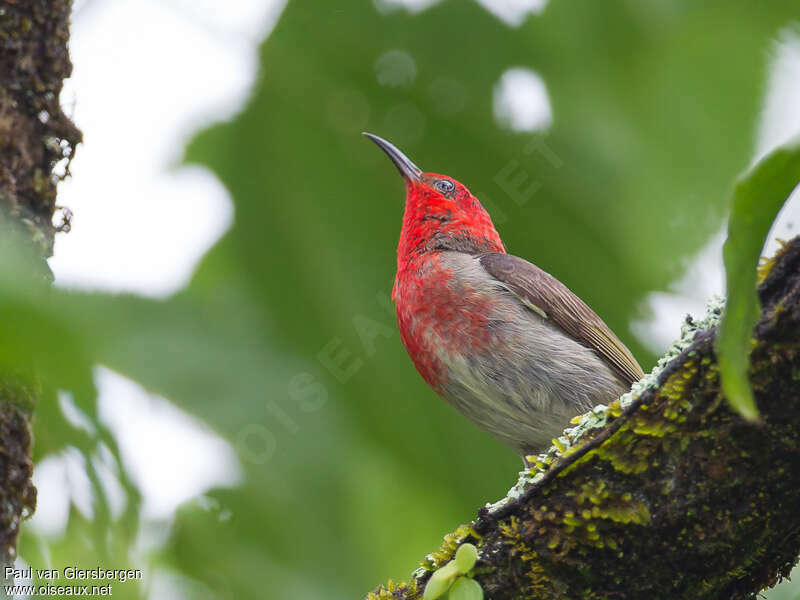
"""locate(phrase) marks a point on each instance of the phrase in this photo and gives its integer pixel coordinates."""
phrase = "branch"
(36, 144)
(665, 494)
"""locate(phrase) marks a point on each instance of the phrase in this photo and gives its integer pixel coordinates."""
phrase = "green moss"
(765, 263)
(18, 391)
(447, 550)
(391, 590)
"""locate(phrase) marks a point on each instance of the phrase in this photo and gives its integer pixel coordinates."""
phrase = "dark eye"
(444, 185)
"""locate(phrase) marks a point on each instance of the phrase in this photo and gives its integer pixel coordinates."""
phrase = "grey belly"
(531, 380)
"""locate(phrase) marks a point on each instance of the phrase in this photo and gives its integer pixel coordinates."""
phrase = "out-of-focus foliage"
(284, 342)
(756, 201)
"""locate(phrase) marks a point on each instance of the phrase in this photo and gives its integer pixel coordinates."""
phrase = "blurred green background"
(285, 343)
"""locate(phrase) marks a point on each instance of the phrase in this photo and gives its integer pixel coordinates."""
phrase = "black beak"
(408, 169)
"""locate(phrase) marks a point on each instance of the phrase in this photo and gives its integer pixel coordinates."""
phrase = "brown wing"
(547, 296)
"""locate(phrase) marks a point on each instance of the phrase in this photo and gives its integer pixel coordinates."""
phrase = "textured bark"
(672, 495)
(36, 144)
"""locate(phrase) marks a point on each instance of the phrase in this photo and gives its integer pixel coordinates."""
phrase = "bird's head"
(440, 213)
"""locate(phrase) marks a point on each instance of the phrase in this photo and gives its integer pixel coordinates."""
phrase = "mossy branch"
(37, 142)
(666, 493)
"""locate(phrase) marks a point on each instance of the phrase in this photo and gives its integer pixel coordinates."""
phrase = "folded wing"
(551, 299)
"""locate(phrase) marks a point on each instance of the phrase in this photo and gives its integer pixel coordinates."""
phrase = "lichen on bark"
(666, 493)
(37, 142)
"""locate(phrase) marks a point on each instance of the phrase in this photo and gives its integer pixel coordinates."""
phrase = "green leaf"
(466, 557)
(757, 199)
(465, 589)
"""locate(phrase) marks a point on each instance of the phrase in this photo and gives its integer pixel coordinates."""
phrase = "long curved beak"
(408, 169)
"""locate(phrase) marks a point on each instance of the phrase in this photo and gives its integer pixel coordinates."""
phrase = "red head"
(441, 213)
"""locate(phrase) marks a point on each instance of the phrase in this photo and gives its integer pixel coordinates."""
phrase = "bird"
(501, 340)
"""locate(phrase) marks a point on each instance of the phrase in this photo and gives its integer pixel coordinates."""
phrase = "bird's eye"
(444, 185)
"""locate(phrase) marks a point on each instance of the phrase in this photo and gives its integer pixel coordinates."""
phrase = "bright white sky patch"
(780, 120)
(704, 277)
(413, 6)
(521, 102)
(147, 75)
(513, 12)
(54, 478)
(172, 456)
(786, 225)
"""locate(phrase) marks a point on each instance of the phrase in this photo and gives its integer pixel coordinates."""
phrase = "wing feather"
(548, 297)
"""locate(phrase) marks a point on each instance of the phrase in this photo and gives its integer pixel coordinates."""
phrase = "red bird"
(501, 340)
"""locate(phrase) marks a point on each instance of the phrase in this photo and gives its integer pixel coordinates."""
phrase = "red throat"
(436, 222)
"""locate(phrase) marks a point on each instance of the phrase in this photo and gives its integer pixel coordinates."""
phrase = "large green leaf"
(758, 197)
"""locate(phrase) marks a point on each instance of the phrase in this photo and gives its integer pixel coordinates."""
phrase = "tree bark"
(666, 493)
(37, 141)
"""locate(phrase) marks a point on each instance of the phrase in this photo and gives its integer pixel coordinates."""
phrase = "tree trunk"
(666, 493)
(36, 144)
